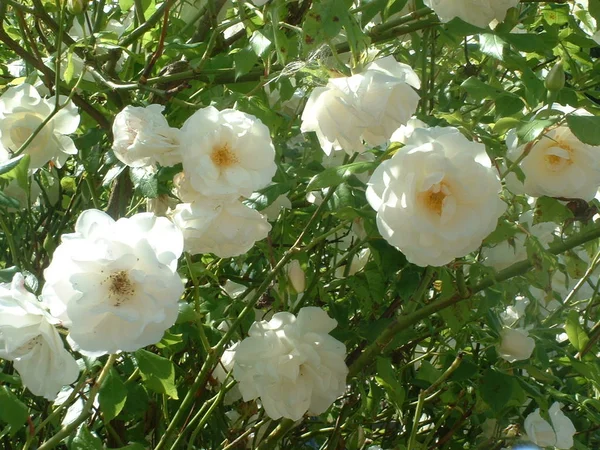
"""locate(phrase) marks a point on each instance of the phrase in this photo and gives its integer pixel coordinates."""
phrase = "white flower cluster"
(113, 284)
(226, 155)
(22, 112)
(476, 12)
(292, 364)
(364, 108)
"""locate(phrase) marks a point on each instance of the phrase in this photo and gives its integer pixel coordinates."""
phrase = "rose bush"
(358, 224)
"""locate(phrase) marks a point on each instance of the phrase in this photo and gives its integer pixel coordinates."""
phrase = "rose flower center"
(558, 157)
(120, 287)
(433, 198)
(223, 157)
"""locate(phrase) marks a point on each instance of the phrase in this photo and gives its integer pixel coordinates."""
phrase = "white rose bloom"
(292, 364)
(225, 227)
(558, 435)
(227, 152)
(115, 284)
(476, 12)
(22, 111)
(368, 106)
(558, 165)
(515, 345)
(28, 338)
(436, 198)
(143, 137)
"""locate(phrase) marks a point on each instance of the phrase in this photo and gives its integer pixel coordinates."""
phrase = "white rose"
(515, 345)
(436, 198)
(476, 12)
(358, 263)
(558, 435)
(292, 364)
(115, 284)
(28, 338)
(22, 111)
(227, 152)
(368, 106)
(143, 137)
(225, 227)
(558, 165)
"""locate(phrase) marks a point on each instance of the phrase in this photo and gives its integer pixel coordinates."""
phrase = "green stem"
(407, 320)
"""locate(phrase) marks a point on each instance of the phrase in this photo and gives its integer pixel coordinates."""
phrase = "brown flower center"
(223, 157)
(121, 288)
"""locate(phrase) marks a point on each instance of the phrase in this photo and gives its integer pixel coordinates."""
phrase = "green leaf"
(112, 395)
(85, 440)
(532, 130)
(594, 9)
(585, 128)
(386, 377)
(496, 389)
(492, 45)
(8, 202)
(157, 372)
(577, 335)
(70, 69)
(531, 42)
(145, 181)
(243, 61)
(19, 172)
(336, 175)
(540, 258)
(548, 209)
(260, 44)
(507, 105)
(480, 90)
(12, 410)
(7, 166)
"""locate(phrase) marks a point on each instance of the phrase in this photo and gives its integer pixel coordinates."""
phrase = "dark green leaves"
(496, 389)
(157, 372)
(112, 395)
(12, 411)
(577, 335)
(336, 175)
(585, 128)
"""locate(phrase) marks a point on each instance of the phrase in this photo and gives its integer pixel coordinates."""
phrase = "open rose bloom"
(437, 198)
(114, 285)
